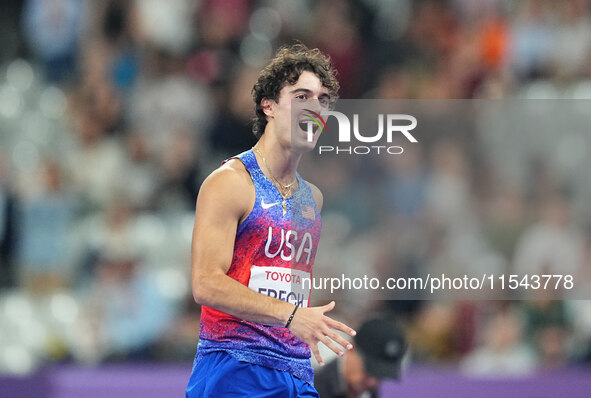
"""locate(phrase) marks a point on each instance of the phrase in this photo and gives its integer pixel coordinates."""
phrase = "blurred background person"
(54, 30)
(379, 349)
(125, 312)
(45, 217)
(8, 232)
(503, 351)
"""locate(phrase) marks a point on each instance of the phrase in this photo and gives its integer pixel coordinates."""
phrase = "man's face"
(295, 101)
(358, 380)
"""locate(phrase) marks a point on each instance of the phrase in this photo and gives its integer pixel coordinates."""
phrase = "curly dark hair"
(286, 68)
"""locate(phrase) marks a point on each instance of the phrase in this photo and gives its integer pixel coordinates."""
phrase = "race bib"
(285, 284)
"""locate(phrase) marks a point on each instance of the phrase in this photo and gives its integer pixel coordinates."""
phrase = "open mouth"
(308, 124)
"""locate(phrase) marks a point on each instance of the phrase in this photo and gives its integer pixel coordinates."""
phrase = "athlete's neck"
(282, 161)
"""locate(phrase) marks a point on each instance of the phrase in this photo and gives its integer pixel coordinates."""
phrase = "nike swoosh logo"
(267, 205)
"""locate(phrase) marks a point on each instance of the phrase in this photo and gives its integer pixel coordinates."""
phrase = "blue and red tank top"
(274, 252)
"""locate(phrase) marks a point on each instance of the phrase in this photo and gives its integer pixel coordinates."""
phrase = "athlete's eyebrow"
(301, 90)
(307, 91)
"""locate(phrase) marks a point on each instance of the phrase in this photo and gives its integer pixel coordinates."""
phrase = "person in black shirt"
(377, 354)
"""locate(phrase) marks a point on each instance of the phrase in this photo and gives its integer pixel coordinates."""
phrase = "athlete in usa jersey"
(256, 232)
(274, 253)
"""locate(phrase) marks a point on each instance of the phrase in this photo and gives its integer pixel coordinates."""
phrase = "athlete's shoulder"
(317, 194)
(231, 173)
(229, 185)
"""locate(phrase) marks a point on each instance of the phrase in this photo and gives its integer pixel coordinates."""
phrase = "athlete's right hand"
(312, 326)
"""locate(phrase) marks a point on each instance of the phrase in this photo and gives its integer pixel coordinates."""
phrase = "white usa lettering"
(287, 248)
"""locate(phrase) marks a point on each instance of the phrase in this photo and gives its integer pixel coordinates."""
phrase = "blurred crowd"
(112, 112)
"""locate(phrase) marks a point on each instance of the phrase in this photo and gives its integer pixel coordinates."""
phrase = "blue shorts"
(219, 375)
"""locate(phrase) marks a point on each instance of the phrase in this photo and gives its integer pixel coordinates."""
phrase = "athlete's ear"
(268, 107)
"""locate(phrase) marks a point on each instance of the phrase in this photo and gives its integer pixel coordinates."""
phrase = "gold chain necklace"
(284, 190)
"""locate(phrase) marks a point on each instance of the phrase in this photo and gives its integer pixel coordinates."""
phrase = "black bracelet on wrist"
(291, 317)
